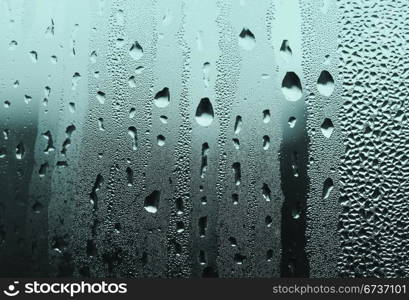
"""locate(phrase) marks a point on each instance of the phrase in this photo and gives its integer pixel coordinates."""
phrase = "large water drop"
(291, 87)
(204, 112)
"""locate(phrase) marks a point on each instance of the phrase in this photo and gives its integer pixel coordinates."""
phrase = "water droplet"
(129, 176)
(233, 241)
(93, 57)
(285, 50)
(202, 226)
(247, 39)
(12, 45)
(266, 192)
(163, 119)
(71, 107)
(266, 142)
(33, 56)
(151, 204)
(180, 226)
(204, 112)
(133, 134)
(162, 98)
(238, 124)
(161, 140)
(136, 51)
(205, 152)
(239, 259)
(43, 169)
(206, 71)
(101, 124)
(75, 79)
(291, 87)
(235, 198)
(237, 172)
(327, 128)
(132, 82)
(27, 99)
(269, 221)
(266, 116)
(236, 143)
(292, 121)
(132, 113)
(20, 151)
(101, 97)
(327, 188)
(139, 70)
(325, 84)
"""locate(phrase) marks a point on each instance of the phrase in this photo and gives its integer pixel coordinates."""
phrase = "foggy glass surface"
(191, 138)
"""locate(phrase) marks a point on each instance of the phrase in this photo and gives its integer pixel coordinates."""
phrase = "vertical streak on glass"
(20, 119)
(320, 31)
(294, 147)
(179, 252)
(227, 66)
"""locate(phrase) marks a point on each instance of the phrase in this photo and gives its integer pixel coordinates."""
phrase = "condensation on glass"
(222, 138)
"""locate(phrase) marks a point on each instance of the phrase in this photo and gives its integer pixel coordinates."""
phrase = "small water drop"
(33, 56)
(132, 82)
(101, 124)
(101, 97)
(20, 151)
(266, 116)
(327, 188)
(238, 124)
(236, 143)
(285, 50)
(327, 128)
(325, 84)
(266, 142)
(132, 113)
(292, 121)
(93, 57)
(161, 140)
(235, 198)
(163, 119)
(237, 172)
(12, 45)
(151, 204)
(202, 226)
(134, 136)
(136, 51)
(266, 192)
